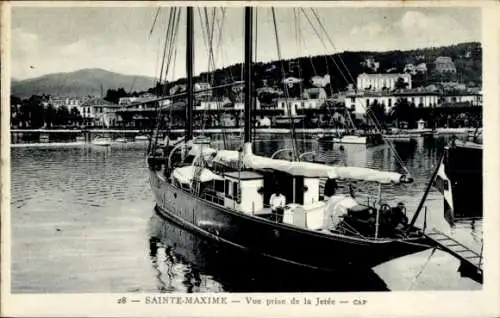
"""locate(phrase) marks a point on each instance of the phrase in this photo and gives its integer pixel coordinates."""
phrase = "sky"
(50, 40)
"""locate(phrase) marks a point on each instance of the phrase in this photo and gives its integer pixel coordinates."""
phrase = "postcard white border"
(384, 304)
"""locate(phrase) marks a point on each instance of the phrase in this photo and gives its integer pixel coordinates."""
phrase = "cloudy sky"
(50, 40)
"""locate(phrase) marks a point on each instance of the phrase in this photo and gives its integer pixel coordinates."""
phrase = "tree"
(15, 105)
(50, 115)
(400, 83)
(403, 111)
(377, 110)
(75, 116)
(115, 95)
(62, 115)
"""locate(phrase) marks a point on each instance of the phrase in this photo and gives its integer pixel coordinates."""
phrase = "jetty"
(470, 260)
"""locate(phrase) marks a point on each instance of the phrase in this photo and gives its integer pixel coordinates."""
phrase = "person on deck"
(398, 217)
(330, 188)
(277, 203)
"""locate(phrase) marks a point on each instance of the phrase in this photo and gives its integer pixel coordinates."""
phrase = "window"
(227, 188)
(236, 195)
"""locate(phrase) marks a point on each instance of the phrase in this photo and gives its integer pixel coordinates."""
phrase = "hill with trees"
(346, 66)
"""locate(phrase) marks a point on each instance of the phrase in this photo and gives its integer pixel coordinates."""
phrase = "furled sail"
(185, 175)
(227, 157)
(310, 169)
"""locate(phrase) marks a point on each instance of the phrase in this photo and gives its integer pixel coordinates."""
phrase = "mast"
(189, 73)
(247, 75)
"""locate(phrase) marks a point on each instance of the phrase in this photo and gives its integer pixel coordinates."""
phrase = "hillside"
(466, 56)
(79, 83)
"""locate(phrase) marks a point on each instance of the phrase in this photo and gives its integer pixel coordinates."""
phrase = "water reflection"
(178, 255)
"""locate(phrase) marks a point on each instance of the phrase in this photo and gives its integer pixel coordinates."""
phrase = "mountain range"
(80, 83)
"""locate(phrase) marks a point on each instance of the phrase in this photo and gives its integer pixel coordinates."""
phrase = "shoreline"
(228, 130)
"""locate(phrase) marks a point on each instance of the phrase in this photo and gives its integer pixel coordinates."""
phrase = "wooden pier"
(471, 261)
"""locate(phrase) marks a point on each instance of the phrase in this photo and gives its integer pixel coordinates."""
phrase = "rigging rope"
(422, 270)
(154, 22)
(294, 147)
(351, 81)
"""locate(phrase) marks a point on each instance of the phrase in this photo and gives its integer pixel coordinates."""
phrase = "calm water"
(82, 219)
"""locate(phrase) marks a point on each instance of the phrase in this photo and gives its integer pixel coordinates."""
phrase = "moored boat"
(121, 140)
(101, 141)
(141, 138)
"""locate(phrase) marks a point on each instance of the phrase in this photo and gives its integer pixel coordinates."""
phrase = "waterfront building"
(222, 104)
(420, 98)
(69, 102)
(361, 101)
(470, 98)
(99, 112)
(124, 101)
(379, 81)
(291, 105)
(444, 64)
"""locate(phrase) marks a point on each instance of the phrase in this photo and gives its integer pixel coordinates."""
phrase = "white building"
(290, 81)
(379, 81)
(205, 87)
(98, 112)
(291, 105)
(473, 99)
(222, 104)
(69, 102)
(320, 81)
(362, 101)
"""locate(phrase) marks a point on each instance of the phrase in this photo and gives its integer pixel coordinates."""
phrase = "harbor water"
(83, 221)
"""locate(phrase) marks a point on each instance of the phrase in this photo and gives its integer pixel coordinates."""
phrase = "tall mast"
(248, 73)
(189, 73)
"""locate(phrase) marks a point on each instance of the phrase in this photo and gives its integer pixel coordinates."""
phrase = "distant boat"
(141, 138)
(285, 120)
(44, 138)
(348, 139)
(353, 139)
(101, 141)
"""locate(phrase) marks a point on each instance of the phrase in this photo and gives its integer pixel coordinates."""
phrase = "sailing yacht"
(223, 195)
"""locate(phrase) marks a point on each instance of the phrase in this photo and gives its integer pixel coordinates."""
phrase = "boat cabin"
(243, 191)
(296, 188)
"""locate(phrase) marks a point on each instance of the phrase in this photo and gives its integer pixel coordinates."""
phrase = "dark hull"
(463, 184)
(278, 242)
